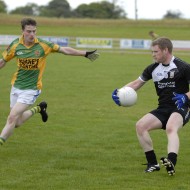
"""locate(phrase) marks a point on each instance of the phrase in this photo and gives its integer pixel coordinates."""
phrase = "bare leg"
(15, 113)
(175, 122)
(24, 117)
(143, 126)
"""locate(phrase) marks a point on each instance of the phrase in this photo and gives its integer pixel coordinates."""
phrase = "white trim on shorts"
(23, 96)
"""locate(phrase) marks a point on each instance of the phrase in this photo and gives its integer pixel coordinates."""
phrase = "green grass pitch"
(88, 143)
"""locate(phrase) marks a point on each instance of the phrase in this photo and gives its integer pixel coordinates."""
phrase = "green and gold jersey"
(31, 62)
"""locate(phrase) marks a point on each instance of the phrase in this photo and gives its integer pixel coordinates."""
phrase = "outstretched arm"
(2, 63)
(136, 84)
(71, 51)
(92, 55)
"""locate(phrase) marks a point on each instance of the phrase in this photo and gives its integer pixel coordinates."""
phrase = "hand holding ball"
(125, 96)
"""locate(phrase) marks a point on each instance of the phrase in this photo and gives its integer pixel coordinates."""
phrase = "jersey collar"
(21, 40)
(166, 65)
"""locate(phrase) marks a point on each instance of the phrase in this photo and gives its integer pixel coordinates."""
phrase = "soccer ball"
(127, 96)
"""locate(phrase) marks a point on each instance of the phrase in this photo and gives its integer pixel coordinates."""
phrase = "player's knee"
(169, 130)
(139, 128)
(12, 119)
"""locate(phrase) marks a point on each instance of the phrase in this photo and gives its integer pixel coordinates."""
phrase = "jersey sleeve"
(185, 68)
(48, 46)
(9, 53)
(55, 47)
(187, 72)
(147, 73)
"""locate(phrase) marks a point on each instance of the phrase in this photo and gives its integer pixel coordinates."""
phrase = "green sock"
(35, 109)
(2, 141)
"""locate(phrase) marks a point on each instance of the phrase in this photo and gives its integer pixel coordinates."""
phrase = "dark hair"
(163, 43)
(27, 21)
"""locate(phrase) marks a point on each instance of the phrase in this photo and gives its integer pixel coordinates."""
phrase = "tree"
(3, 7)
(29, 9)
(61, 8)
(103, 9)
(56, 8)
(173, 15)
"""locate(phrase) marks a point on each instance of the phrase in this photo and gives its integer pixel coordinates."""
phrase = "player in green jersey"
(30, 53)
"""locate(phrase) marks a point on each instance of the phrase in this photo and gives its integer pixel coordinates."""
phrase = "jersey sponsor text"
(28, 64)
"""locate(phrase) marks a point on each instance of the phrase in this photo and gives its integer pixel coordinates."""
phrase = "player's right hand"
(115, 97)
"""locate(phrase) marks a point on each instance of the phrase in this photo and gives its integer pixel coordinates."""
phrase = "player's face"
(29, 34)
(160, 56)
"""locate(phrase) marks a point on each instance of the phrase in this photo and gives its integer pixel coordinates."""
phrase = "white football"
(127, 96)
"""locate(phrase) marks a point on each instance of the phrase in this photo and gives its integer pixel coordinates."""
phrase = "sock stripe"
(35, 110)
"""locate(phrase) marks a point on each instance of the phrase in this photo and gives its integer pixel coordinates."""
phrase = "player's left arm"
(182, 99)
(71, 51)
(92, 55)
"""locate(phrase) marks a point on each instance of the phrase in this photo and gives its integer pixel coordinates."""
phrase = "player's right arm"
(2, 63)
(136, 84)
(7, 55)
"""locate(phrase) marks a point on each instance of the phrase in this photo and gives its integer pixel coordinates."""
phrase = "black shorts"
(163, 114)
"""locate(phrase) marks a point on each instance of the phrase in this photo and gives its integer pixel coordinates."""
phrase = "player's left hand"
(180, 100)
(92, 55)
(115, 97)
